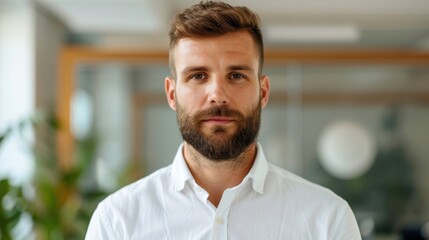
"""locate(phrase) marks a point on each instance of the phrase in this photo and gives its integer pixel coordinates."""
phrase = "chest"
(242, 217)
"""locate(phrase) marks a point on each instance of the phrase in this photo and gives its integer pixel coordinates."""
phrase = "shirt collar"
(258, 172)
(180, 171)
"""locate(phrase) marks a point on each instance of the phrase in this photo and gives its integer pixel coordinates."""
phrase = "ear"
(170, 88)
(265, 90)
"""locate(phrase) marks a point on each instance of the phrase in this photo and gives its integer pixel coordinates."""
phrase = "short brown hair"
(210, 19)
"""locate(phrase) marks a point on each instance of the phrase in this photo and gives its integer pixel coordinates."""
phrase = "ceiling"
(349, 24)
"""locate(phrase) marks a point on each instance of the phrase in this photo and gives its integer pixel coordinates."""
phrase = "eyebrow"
(191, 69)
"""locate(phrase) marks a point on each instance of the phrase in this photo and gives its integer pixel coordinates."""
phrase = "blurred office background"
(83, 112)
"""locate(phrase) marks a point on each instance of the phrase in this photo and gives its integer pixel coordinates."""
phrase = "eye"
(198, 76)
(236, 76)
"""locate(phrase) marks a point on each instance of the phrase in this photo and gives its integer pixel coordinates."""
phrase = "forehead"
(235, 46)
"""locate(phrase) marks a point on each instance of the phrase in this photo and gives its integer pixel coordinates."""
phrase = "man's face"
(216, 141)
(217, 94)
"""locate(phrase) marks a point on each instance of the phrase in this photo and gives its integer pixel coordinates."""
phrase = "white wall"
(29, 44)
(16, 84)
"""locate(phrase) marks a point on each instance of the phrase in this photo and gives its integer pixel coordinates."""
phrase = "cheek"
(249, 97)
(189, 98)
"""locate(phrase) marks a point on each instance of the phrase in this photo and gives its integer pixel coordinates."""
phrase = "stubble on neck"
(199, 162)
(217, 176)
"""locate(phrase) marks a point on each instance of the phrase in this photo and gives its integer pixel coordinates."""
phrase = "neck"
(217, 176)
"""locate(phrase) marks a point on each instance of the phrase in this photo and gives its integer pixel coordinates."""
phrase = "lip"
(218, 120)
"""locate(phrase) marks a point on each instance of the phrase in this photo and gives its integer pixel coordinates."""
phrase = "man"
(220, 185)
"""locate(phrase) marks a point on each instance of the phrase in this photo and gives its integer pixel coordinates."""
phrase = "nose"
(218, 93)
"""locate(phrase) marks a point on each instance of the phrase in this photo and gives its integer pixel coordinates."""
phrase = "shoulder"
(144, 190)
(296, 188)
(118, 215)
(322, 211)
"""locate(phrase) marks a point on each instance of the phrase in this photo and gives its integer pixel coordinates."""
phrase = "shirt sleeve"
(99, 226)
(347, 227)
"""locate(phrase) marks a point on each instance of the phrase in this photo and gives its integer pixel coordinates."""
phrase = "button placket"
(219, 220)
(220, 224)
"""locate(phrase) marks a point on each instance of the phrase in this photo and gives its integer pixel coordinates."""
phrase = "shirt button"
(219, 220)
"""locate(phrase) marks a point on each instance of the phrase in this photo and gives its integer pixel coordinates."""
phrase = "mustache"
(217, 111)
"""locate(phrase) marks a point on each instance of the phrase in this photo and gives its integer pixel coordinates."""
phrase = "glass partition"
(359, 129)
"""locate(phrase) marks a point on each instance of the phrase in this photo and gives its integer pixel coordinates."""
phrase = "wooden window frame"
(71, 57)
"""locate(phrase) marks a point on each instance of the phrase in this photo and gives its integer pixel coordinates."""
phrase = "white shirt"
(270, 203)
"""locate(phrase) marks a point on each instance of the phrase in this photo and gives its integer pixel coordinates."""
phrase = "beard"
(218, 144)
